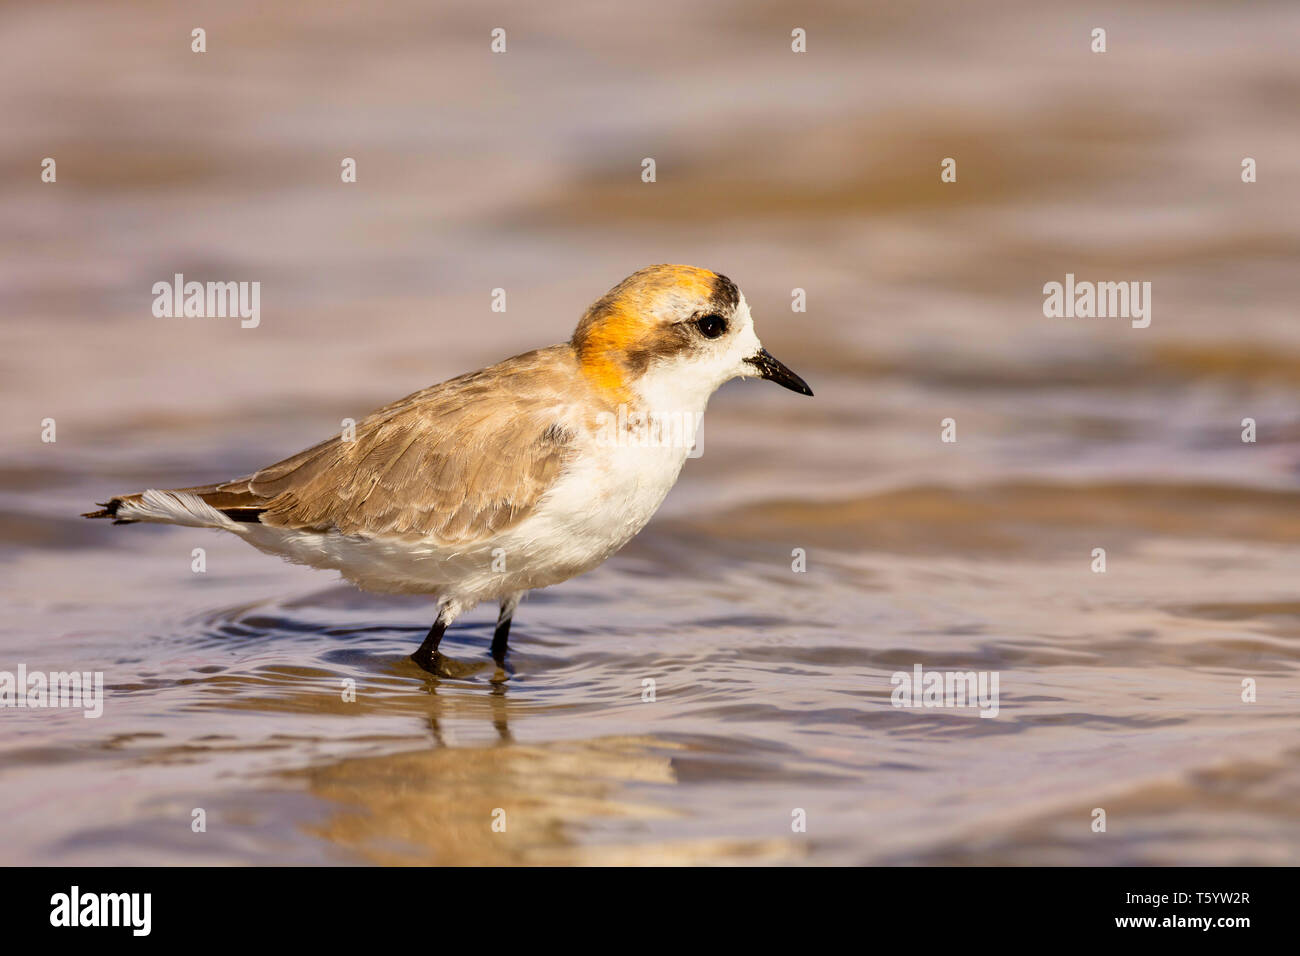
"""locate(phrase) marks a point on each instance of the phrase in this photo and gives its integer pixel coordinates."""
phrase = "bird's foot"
(502, 671)
(440, 665)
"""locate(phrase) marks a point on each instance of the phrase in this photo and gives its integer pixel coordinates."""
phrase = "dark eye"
(711, 326)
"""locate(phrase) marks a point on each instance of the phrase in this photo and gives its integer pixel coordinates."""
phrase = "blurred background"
(522, 171)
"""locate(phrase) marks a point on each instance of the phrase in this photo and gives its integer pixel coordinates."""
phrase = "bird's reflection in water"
(494, 694)
(502, 803)
(480, 797)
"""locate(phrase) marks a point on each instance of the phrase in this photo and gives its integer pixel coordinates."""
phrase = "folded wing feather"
(456, 462)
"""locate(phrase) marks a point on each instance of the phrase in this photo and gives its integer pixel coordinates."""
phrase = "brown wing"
(458, 461)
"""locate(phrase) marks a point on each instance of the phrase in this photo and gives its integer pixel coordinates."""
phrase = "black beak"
(772, 370)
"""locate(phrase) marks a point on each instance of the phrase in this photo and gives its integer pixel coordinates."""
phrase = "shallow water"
(1119, 691)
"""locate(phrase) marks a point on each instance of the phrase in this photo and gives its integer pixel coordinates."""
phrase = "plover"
(503, 480)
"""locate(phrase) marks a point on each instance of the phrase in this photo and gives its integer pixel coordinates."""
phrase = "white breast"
(606, 496)
(612, 487)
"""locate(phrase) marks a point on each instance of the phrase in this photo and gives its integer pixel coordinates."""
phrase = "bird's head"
(673, 330)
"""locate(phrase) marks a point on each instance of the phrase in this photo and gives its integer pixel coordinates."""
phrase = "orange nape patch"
(628, 315)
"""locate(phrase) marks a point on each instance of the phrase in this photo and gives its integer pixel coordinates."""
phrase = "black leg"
(502, 634)
(428, 652)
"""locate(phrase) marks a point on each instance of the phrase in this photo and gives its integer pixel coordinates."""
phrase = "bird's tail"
(182, 507)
